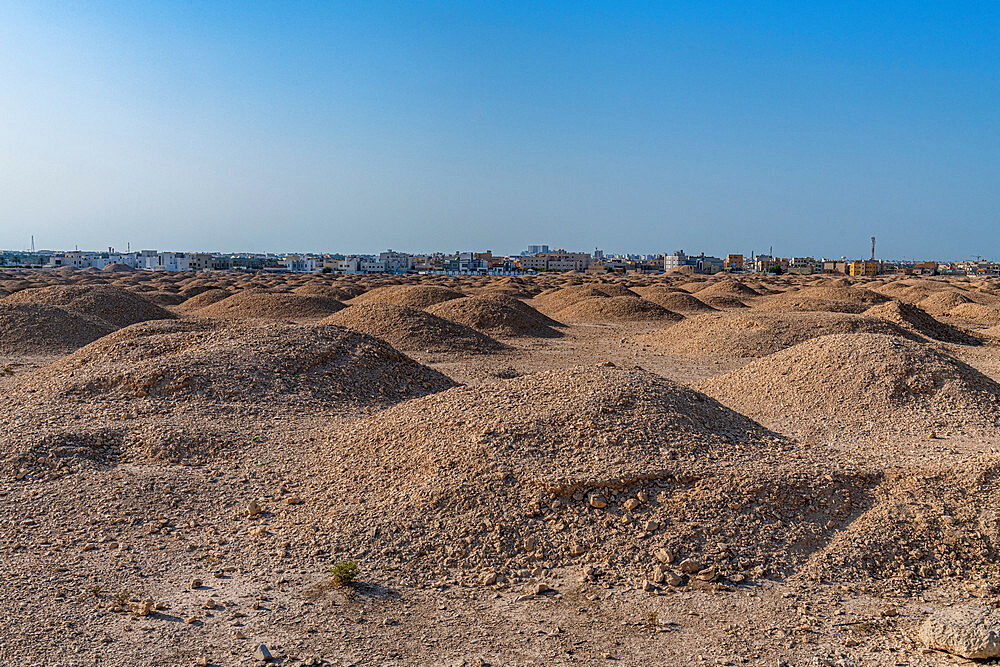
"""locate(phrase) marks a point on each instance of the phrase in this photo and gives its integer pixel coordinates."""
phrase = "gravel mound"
(163, 297)
(203, 299)
(116, 306)
(722, 302)
(262, 304)
(823, 299)
(913, 319)
(611, 309)
(325, 290)
(737, 335)
(205, 361)
(118, 268)
(924, 526)
(34, 328)
(871, 383)
(594, 465)
(410, 329)
(941, 302)
(497, 316)
(674, 299)
(554, 300)
(411, 296)
(977, 312)
(727, 287)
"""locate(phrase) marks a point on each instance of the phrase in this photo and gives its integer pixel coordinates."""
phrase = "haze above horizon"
(644, 127)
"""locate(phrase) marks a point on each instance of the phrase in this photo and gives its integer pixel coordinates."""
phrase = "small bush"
(344, 573)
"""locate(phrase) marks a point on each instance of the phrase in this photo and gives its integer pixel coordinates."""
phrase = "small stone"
(293, 500)
(262, 653)
(969, 631)
(650, 526)
(598, 502)
(529, 544)
(202, 661)
(253, 509)
(659, 574)
(576, 549)
(663, 556)
(932, 436)
(488, 578)
(631, 504)
(708, 574)
(144, 608)
(647, 585)
(690, 566)
(643, 498)
(196, 583)
(540, 588)
(673, 579)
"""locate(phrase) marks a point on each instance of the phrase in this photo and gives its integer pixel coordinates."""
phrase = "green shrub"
(344, 572)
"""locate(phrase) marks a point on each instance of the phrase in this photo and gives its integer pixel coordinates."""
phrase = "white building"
(396, 262)
(675, 260)
(299, 264)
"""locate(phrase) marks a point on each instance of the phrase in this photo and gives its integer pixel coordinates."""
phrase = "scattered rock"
(598, 501)
(262, 653)
(690, 566)
(969, 631)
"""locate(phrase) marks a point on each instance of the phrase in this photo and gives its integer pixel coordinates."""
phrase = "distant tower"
(873, 248)
(32, 243)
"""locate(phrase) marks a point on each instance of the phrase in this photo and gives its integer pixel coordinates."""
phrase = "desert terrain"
(554, 469)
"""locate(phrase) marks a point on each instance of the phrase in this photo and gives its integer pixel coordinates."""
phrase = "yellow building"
(866, 268)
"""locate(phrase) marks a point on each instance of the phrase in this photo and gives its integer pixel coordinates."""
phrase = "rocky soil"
(806, 477)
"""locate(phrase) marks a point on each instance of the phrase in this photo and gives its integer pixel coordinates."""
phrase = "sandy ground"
(74, 545)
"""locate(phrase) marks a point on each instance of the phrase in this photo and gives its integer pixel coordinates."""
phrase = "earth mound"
(118, 268)
(555, 300)
(114, 305)
(843, 381)
(736, 335)
(620, 465)
(411, 296)
(923, 527)
(34, 328)
(611, 309)
(674, 299)
(410, 329)
(942, 301)
(202, 299)
(977, 312)
(262, 304)
(913, 319)
(823, 299)
(207, 361)
(727, 287)
(497, 316)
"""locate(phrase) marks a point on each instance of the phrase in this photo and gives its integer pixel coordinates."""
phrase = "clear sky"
(358, 126)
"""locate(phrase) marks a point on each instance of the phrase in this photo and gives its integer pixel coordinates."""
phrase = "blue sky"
(648, 127)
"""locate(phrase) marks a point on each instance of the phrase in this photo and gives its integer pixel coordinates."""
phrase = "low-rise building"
(866, 268)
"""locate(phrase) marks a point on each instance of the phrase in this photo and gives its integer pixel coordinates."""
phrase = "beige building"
(557, 261)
